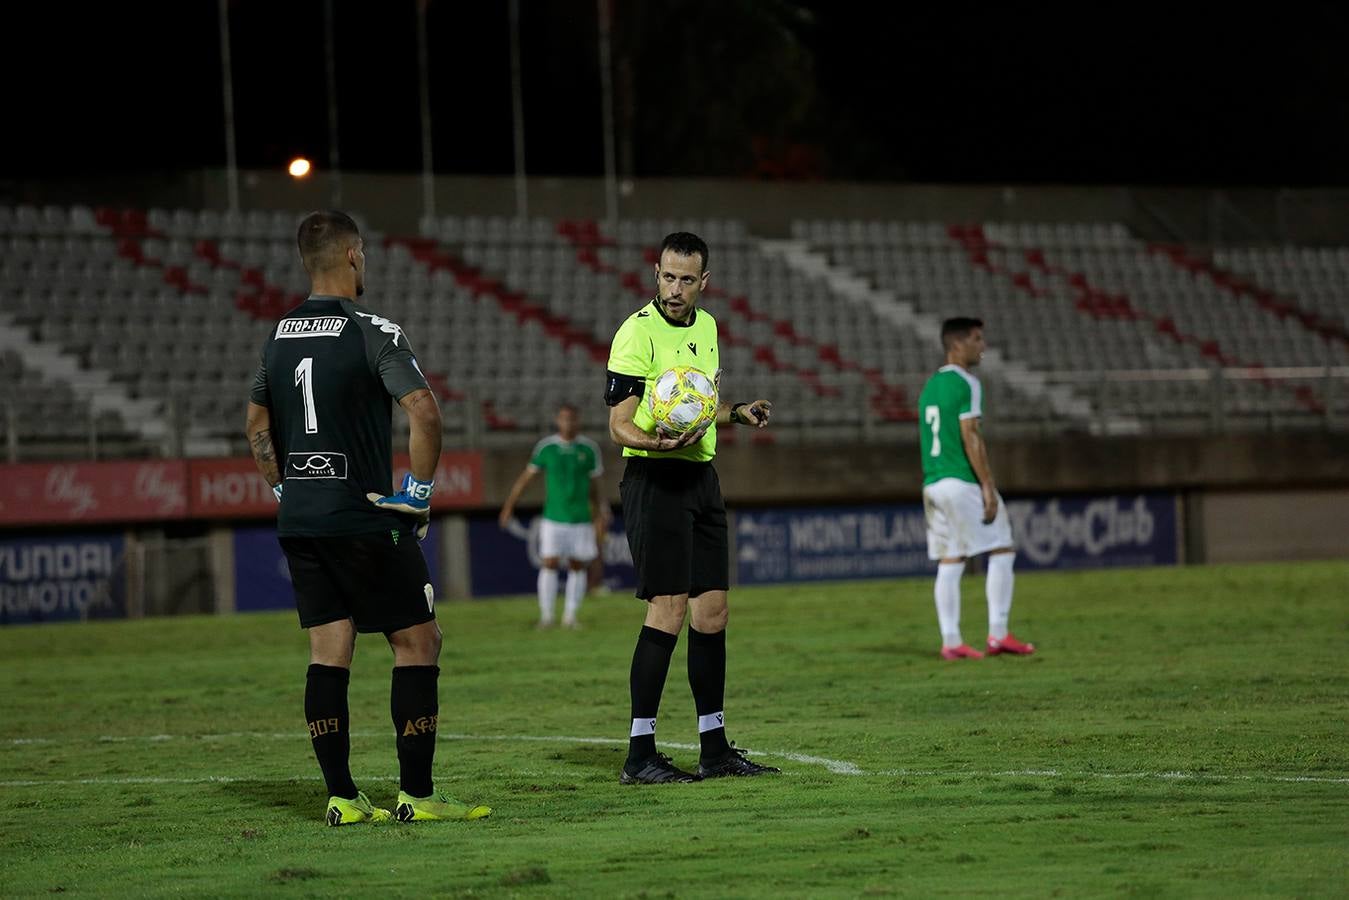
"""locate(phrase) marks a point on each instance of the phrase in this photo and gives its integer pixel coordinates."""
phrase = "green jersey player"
(571, 467)
(965, 514)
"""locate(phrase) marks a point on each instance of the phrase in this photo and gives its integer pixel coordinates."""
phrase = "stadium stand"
(1146, 324)
(145, 325)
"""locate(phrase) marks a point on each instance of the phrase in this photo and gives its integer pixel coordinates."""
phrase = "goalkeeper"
(319, 428)
(675, 518)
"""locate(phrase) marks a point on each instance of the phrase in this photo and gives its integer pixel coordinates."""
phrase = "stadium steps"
(1248, 288)
(888, 402)
(1062, 400)
(1098, 302)
(1091, 299)
(435, 257)
(738, 307)
(94, 386)
(263, 300)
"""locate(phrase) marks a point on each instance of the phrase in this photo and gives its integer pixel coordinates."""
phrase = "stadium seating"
(511, 317)
(42, 412)
(1143, 328)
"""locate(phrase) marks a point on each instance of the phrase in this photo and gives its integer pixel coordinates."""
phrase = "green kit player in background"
(319, 426)
(572, 468)
(965, 514)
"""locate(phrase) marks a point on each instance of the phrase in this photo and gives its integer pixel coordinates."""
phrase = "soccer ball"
(683, 399)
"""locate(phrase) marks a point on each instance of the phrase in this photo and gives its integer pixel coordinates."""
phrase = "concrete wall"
(782, 474)
(1245, 498)
(1249, 526)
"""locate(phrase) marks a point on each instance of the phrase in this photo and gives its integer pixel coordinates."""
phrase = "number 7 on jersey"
(304, 377)
(933, 416)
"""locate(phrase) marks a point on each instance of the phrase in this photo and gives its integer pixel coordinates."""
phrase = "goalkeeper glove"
(412, 499)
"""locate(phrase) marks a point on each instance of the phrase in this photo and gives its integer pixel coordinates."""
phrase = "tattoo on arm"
(264, 454)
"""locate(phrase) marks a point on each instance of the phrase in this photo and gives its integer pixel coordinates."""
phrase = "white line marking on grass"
(836, 766)
(235, 779)
(204, 779)
(1114, 776)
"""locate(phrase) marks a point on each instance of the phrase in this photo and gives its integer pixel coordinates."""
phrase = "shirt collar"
(677, 324)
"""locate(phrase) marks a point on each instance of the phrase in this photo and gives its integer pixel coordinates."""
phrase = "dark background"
(772, 89)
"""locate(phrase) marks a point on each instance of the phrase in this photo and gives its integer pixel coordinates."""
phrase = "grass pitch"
(1182, 732)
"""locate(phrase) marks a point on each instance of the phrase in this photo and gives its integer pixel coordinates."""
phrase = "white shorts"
(567, 540)
(954, 510)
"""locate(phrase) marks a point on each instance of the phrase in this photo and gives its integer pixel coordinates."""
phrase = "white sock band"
(998, 588)
(711, 722)
(642, 727)
(947, 594)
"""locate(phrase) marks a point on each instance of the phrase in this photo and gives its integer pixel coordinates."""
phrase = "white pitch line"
(1138, 776)
(836, 766)
(234, 779)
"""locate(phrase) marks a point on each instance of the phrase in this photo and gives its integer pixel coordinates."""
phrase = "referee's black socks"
(415, 706)
(707, 678)
(325, 709)
(650, 665)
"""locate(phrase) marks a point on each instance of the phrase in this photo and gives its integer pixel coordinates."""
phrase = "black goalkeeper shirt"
(330, 372)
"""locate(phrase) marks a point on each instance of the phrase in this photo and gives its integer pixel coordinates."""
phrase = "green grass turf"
(1144, 750)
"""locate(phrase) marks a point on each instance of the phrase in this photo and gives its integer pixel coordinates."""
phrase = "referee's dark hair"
(324, 237)
(958, 329)
(686, 244)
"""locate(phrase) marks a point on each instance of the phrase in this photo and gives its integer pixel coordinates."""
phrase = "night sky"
(769, 89)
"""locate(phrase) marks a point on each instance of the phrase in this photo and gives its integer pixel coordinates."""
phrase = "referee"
(319, 428)
(675, 517)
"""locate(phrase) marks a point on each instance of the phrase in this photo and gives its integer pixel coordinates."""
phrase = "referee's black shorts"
(676, 524)
(380, 581)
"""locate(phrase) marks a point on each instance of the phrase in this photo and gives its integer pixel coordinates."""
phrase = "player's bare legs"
(333, 644)
(547, 590)
(576, 591)
(416, 646)
(998, 587)
(667, 613)
(325, 704)
(709, 612)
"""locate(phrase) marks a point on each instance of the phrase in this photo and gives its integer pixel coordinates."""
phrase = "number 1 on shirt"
(304, 377)
(933, 416)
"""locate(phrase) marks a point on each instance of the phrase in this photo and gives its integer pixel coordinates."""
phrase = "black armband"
(736, 418)
(619, 387)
